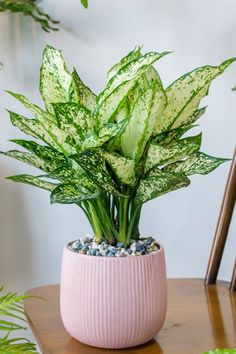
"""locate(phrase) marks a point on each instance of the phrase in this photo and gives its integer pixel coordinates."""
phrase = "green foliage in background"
(31, 8)
(11, 310)
(221, 351)
(109, 154)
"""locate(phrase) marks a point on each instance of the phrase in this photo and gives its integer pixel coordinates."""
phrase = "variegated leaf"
(107, 132)
(145, 79)
(84, 95)
(36, 111)
(185, 94)
(158, 183)
(70, 194)
(46, 153)
(142, 122)
(74, 117)
(56, 82)
(47, 132)
(163, 154)
(119, 86)
(123, 167)
(69, 175)
(93, 163)
(33, 181)
(170, 136)
(133, 55)
(199, 163)
(195, 116)
(175, 134)
(31, 159)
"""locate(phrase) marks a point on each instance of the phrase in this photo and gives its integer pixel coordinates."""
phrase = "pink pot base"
(113, 302)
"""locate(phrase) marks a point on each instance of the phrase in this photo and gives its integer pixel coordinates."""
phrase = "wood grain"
(199, 318)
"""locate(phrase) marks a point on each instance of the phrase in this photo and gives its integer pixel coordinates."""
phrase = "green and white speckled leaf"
(142, 122)
(185, 94)
(47, 153)
(119, 86)
(93, 163)
(133, 55)
(33, 181)
(69, 175)
(36, 111)
(107, 132)
(170, 136)
(123, 167)
(56, 82)
(158, 183)
(163, 154)
(75, 119)
(31, 159)
(84, 95)
(195, 116)
(222, 351)
(70, 194)
(47, 132)
(145, 79)
(199, 163)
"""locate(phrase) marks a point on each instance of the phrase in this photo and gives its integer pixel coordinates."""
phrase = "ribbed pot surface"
(113, 302)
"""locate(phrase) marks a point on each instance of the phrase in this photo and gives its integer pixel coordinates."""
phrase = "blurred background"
(199, 32)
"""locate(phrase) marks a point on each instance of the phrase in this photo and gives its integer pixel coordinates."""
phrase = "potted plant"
(109, 155)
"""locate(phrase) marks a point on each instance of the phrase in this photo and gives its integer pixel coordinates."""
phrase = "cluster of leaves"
(11, 307)
(112, 153)
(31, 8)
(222, 351)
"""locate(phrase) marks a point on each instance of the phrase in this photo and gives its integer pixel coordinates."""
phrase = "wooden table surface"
(198, 319)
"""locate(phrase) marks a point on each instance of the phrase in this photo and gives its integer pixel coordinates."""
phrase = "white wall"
(32, 233)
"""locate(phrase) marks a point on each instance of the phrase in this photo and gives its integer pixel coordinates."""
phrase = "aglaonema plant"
(109, 154)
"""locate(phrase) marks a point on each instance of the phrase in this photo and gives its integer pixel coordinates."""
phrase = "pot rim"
(151, 254)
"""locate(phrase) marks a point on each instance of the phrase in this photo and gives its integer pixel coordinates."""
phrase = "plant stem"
(133, 225)
(123, 218)
(109, 230)
(94, 221)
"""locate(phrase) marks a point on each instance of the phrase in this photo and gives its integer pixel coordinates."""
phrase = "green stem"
(133, 225)
(94, 220)
(112, 209)
(123, 218)
(109, 229)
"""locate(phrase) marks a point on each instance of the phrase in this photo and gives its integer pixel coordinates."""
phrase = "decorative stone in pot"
(113, 302)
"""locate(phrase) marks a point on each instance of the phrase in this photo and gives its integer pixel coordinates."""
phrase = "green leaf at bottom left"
(70, 194)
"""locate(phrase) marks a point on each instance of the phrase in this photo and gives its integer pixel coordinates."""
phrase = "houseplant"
(109, 155)
(11, 308)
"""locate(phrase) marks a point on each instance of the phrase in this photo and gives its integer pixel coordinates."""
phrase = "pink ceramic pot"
(113, 302)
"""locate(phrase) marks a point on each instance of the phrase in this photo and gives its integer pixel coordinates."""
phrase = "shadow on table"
(151, 347)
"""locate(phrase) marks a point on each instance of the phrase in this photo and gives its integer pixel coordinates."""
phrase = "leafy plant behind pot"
(222, 351)
(111, 153)
(11, 309)
(32, 9)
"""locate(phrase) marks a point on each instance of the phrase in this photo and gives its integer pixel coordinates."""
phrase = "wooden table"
(198, 319)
